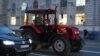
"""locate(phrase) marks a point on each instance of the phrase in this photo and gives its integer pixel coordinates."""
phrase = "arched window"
(35, 4)
(48, 3)
(63, 3)
(13, 8)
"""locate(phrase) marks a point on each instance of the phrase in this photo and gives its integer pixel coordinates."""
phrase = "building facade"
(81, 13)
(15, 9)
(93, 14)
(3, 19)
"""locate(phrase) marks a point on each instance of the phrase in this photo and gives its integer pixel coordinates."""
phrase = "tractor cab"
(41, 19)
(40, 16)
(41, 26)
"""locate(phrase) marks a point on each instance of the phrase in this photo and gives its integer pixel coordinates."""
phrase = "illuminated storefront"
(80, 2)
(80, 19)
(63, 21)
(13, 20)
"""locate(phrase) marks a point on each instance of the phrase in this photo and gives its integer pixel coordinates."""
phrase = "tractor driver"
(38, 20)
(47, 21)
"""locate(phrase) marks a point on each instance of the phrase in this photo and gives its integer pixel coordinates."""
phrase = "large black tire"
(61, 45)
(78, 45)
(28, 34)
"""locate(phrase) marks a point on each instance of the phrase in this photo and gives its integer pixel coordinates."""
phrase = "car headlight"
(30, 41)
(14, 33)
(7, 42)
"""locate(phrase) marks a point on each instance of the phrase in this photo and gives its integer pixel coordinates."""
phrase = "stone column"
(71, 11)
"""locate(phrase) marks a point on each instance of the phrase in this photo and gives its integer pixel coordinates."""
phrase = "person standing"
(85, 33)
(38, 20)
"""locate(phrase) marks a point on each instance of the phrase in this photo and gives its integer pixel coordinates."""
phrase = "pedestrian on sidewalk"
(85, 33)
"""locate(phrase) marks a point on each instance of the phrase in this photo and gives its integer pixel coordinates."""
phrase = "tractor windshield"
(41, 17)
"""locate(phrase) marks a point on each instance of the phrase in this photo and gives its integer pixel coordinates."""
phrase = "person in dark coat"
(38, 20)
(85, 33)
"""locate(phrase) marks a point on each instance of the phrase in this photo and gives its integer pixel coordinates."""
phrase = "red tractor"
(44, 34)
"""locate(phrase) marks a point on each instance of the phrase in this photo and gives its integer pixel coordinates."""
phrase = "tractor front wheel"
(61, 46)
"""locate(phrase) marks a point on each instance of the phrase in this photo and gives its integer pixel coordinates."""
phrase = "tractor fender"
(31, 28)
(26, 27)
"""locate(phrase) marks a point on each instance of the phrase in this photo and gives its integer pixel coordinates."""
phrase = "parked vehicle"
(11, 44)
(62, 38)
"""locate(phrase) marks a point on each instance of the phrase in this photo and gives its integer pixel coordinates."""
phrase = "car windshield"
(5, 30)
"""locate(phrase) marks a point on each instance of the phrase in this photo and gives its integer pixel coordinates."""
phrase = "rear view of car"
(11, 44)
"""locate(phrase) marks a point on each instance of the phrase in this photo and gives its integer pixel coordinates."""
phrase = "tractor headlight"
(7, 42)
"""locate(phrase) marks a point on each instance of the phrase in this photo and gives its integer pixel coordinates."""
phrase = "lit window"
(80, 19)
(23, 6)
(63, 21)
(33, 17)
(13, 20)
(80, 2)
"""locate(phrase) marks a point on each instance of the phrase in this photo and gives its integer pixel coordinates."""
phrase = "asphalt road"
(92, 48)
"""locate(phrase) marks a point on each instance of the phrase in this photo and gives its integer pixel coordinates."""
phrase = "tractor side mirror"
(61, 15)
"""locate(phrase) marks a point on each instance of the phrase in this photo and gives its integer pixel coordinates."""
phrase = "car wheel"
(61, 46)
(78, 45)
(28, 34)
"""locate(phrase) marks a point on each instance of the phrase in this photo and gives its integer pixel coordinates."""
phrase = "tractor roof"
(42, 11)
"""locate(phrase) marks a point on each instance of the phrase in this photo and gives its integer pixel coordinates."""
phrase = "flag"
(26, 8)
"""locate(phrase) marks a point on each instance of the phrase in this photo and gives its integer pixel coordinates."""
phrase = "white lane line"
(90, 51)
(38, 54)
(92, 46)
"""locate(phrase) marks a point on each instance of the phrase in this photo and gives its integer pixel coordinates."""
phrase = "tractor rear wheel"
(32, 37)
(61, 45)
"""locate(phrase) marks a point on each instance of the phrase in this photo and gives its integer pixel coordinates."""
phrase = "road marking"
(90, 51)
(38, 54)
(93, 46)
